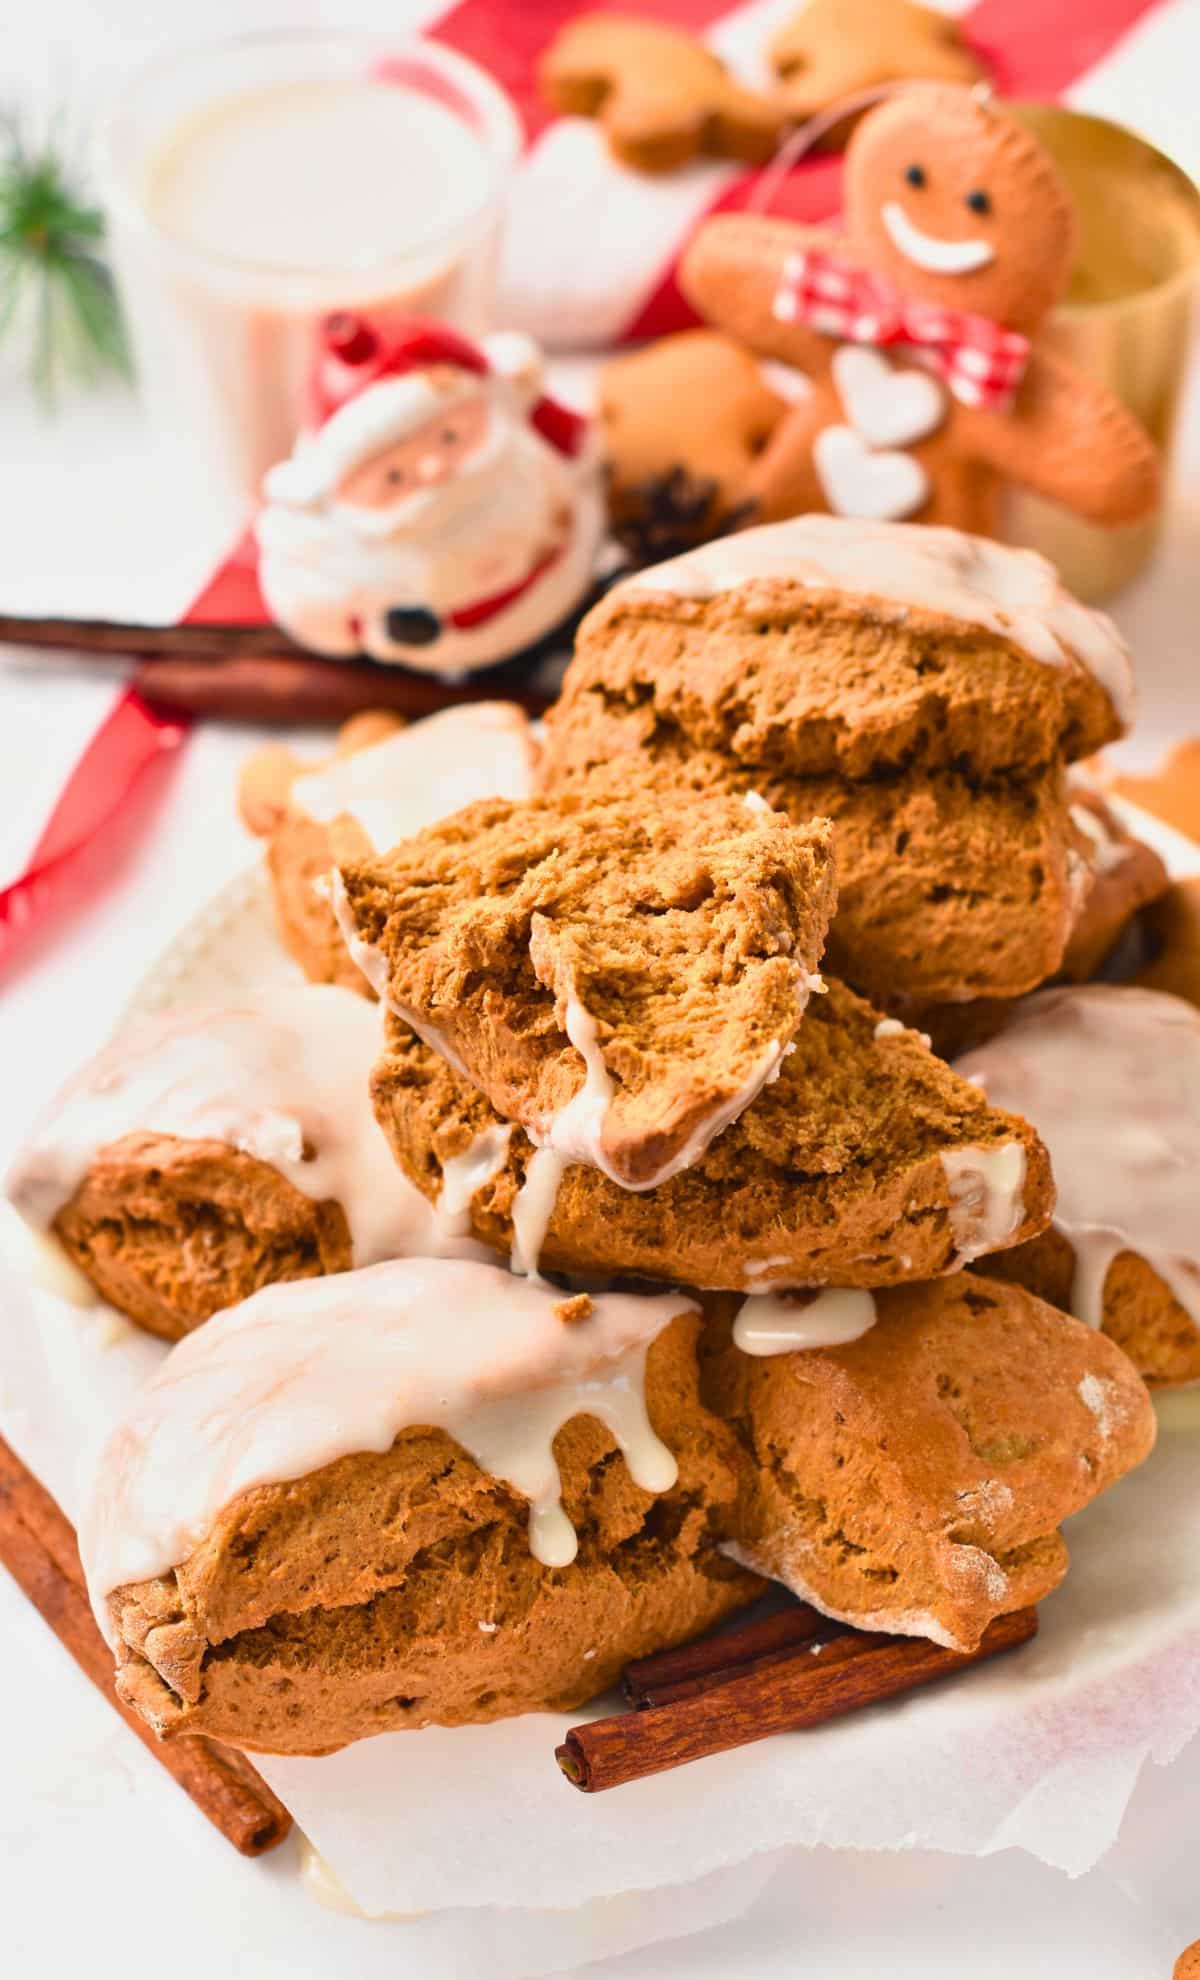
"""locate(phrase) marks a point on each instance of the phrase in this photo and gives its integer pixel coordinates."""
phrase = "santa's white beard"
(443, 547)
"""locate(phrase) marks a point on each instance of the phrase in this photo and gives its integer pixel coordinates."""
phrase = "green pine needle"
(53, 276)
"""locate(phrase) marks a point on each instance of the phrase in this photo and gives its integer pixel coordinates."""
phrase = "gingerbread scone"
(1123, 877)
(673, 483)
(885, 676)
(822, 647)
(620, 979)
(867, 1162)
(914, 1478)
(207, 1153)
(661, 96)
(918, 329)
(366, 800)
(426, 1493)
(833, 49)
(1110, 1077)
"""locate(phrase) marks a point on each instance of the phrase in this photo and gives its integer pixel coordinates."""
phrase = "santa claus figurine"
(443, 512)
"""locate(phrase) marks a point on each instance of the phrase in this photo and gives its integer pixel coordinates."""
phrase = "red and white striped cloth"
(982, 363)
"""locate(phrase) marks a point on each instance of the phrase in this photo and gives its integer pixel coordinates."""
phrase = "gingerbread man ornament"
(917, 329)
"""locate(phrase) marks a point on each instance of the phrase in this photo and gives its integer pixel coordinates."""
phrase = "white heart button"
(889, 408)
(879, 487)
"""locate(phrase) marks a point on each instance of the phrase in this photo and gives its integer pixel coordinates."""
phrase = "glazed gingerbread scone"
(914, 1479)
(821, 646)
(425, 1493)
(946, 889)
(266, 779)
(619, 978)
(662, 97)
(867, 1162)
(207, 1153)
(365, 800)
(1110, 1077)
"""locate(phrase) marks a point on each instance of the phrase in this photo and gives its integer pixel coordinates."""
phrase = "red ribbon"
(92, 825)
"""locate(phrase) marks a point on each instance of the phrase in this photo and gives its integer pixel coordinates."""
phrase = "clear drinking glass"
(255, 185)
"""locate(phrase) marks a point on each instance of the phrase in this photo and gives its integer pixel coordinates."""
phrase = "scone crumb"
(578, 1307)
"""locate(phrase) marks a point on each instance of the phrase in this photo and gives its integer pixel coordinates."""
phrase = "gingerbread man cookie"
(917, 327)
(661, 96)
(834, 49)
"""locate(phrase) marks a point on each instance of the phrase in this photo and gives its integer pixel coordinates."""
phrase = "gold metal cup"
(1125, 319)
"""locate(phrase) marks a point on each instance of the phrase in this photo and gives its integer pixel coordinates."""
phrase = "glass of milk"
(255, 185)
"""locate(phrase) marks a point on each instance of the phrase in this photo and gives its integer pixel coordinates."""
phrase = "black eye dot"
(979, 202)
(915, 174)
(449, 435)
(395, 474)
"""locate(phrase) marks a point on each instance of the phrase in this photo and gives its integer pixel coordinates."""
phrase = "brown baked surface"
(350, 1602)
(171, 1231)
(833, 1174)
(779, 674)
(1141, 1314)
(920, 1473)
(686, 931)
(1172, 928)
(947, 889)
(301, 857)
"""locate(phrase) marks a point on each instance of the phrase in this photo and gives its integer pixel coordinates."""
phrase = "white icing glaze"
(463, 1174)
(932, 251)
(857, 480)
(768, 1324)
(283, 1077)
(986, 1201)
(1014, 593)
(887, 405)
(1105, 853)
(425, 772)
(374, 966)
(890, 1028)
(1110, 1078)
(318, 1369)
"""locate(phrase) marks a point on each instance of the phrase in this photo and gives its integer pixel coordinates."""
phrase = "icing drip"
(463, 1174)
(425, 772)
(1105, 853)
(986, 1204)
(768, 1324)
(374, 966)
(282, 1077)
(1014, 593)
(308, 1372)
(1110, 1078)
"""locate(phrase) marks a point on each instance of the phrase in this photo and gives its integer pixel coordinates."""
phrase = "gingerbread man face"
(956, 204)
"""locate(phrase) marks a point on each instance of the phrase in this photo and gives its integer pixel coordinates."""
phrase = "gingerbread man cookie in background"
(835, 49)
(915, 329)
(444, 512)
(660, 95)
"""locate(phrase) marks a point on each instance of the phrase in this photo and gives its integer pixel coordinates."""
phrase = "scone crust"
(682, 935)
(833, 1175)
(172, 1231)
(397, 1590)
(300, 859)
(813, 682)
(915, 1479)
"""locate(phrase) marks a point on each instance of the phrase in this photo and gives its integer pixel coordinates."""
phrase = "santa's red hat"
(371, 387)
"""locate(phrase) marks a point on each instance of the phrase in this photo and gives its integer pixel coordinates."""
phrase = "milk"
(258, 186)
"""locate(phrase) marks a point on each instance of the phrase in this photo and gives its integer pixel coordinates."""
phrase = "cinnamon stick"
(851, 1672)
(38, 1547)
(301, 689)
(653, 1680)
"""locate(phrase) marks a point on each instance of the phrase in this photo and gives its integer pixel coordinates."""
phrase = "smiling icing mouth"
(927, 250)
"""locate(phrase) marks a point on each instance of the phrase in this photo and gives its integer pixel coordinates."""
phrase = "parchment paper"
(1040, 1751)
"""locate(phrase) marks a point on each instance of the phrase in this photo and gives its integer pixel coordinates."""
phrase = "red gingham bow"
(981, 363)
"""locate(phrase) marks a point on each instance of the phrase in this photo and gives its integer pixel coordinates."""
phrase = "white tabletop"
(102, 1861)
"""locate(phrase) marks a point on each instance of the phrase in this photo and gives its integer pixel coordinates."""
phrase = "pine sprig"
(53, 276)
